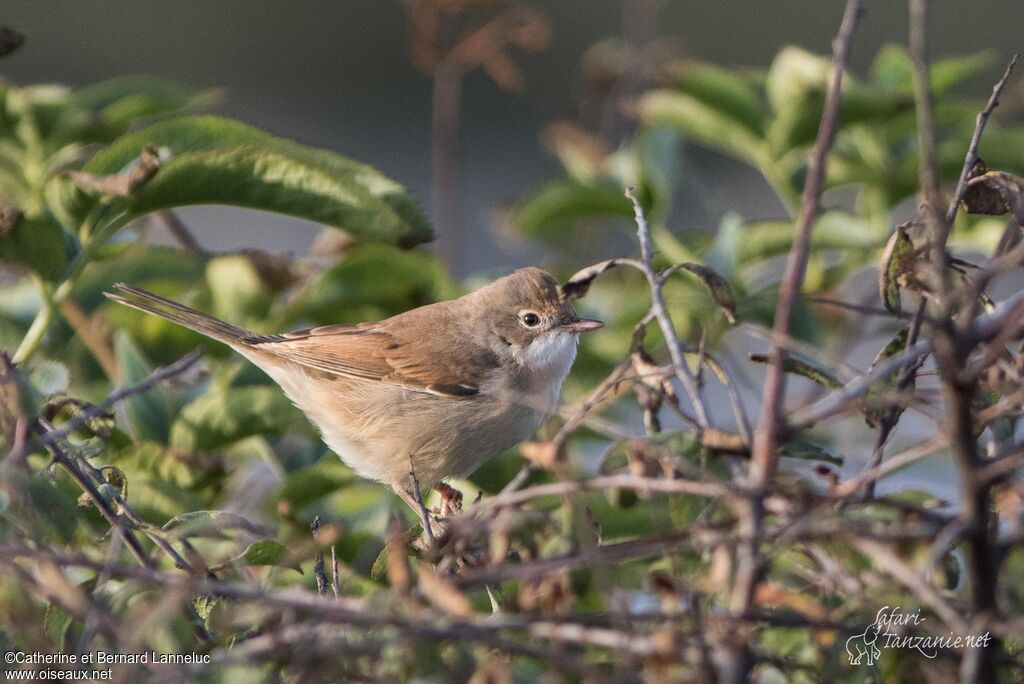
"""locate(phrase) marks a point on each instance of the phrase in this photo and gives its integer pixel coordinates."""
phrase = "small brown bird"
(441, 388)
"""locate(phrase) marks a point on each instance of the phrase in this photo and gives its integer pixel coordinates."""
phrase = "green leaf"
(897, 261)
(952, 71)
(221, 417)
(701, 123)
(808, 451)
(565, 201)
(38, 244)
(308, 484)
(49, 377)
(731, 95)
(804, 369)
(796, 86)
(876, 404)
(721, 291)
(238, 292)
(373, 282)
(149, 413)
(121, 101)
(266, 552)
(212, 524)
(892, 68)
(53, 506)
(723, 252)
(657, 151)
(219, 161)
(832, 230)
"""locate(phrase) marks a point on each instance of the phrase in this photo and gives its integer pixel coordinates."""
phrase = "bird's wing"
(379, 352)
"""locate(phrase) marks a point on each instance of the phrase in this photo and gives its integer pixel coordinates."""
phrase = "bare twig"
(86, 329)
(668, 330)
(764, 457)
(181, 233)
(160, 374)
(417, 498)
(318, 563)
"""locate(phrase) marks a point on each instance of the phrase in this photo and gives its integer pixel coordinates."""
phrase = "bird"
(424, 396)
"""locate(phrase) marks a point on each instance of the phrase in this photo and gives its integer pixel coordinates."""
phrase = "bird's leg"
(451, 499)
(415, 501)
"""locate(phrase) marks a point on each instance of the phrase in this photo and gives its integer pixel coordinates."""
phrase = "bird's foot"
(451, 499)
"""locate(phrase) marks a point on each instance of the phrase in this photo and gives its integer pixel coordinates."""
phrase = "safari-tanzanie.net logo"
(889, 631)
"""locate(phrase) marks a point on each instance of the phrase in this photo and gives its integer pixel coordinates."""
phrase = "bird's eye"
(530, 319)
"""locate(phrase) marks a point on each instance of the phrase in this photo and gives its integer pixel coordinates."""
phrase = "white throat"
(548, 359)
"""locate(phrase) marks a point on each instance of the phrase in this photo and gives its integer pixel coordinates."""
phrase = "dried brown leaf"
(996, 193)
(121, 184)
(443, 595)
(580, 282)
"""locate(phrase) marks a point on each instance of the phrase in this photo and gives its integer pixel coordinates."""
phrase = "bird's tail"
(143, 300)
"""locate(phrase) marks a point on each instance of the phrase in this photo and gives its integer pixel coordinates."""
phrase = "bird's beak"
(578, 325)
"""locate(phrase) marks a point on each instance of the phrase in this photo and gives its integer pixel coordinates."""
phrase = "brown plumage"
(443, 387)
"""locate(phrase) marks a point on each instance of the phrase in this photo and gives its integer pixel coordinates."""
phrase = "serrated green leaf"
(221, 417)
(149, 413)
(219, 161)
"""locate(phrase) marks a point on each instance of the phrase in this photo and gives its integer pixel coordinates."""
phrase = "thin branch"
(160, 374)
(634, 482)
(417, 498)
(668, 330)
(318, 563)
(763, 456)
(737, 661)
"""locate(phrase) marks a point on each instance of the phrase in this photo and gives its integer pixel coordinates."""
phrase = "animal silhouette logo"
(860, 645)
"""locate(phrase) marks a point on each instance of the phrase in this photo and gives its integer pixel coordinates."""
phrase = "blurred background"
(349, 76)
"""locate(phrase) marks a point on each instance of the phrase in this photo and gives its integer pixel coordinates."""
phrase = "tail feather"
(150, 303)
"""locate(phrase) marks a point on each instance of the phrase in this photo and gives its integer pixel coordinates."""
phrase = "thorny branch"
(764, 454)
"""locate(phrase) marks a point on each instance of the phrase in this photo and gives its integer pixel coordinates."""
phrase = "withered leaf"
(995, 193)
(580, 282)
(721, 291)
(720, 440)
(443, 594)
(802, 368)
(542, 454)
(121, 184)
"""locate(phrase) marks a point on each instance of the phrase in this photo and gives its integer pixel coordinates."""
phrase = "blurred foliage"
(222, 468)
